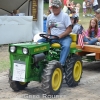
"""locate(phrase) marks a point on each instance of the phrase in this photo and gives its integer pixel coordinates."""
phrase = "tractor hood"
(33, 47)
(28, 44)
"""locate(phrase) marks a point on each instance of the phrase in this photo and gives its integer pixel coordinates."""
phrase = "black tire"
(73, 70)
(15, 85)
(52, 75)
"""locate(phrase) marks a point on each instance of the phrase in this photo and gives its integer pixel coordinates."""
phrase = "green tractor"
(40, 62)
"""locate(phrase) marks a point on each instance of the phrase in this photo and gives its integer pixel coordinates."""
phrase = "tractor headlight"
(12, 49)
(25, 51)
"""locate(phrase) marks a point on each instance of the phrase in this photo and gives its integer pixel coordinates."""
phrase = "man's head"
(56, 6)
(97, 12)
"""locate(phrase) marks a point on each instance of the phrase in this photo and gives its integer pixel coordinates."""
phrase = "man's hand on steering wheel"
(49, 36)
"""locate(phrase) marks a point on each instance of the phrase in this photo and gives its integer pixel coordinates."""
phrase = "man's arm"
(48, 31)
(67, 32)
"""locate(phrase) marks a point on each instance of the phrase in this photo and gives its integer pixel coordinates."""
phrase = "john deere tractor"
(35, 61)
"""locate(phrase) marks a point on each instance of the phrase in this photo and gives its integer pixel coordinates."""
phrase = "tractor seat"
(73, 44)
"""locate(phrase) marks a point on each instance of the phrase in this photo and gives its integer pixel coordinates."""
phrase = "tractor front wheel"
(52, 78)
(15, 85)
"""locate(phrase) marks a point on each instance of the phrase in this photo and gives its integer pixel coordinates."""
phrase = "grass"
(4, 65)
(4, 58)
(46, 6)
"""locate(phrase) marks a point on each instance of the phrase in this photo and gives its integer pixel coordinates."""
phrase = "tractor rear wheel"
(52, 78)
(15, 85)
(73, 70)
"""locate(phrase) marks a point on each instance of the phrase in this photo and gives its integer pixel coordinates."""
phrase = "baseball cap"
(73, 16)
(56, 3)
(98, 10)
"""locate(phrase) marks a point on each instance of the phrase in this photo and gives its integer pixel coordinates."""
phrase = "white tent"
(14, 29)
(7, 6)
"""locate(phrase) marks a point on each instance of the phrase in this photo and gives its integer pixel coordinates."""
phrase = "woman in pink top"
(93, 33)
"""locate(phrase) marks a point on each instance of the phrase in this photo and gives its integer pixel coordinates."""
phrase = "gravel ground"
(88, 88)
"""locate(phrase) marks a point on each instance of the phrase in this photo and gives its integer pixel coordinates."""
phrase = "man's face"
(56, 10)
(97, 15)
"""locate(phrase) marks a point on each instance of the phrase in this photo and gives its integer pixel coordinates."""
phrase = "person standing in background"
(77, 9)
(65, 3)
(50, 6)
(95, 4)
(84, 8)
(89, 7)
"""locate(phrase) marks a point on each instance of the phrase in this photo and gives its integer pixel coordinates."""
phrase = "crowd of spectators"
(89, 6)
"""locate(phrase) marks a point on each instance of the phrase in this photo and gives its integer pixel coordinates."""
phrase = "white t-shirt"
(95, 3)
(59, 23)
(77, 11)
(84, 4)
(50, 3)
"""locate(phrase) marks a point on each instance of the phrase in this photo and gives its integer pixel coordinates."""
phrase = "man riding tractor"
(46, 62)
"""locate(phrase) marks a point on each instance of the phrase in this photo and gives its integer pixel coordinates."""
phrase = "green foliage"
(78, 1)
(46, 7)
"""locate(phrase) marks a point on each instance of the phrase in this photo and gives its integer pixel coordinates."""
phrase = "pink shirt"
(98, 34)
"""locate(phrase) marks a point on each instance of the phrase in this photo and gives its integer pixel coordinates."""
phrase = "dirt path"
(88, 89)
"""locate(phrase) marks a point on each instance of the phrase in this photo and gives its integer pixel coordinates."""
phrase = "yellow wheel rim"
(56, 79)
(77, 71)
(22, 83)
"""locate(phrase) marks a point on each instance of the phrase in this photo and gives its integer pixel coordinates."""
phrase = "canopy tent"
(19, 28)
(7, 6)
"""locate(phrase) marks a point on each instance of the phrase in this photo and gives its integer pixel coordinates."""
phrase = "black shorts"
(95, 7)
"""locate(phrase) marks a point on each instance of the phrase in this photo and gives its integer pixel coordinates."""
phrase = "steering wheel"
(49, 37)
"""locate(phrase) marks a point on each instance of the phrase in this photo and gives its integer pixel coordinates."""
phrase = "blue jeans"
(90, 42)
(65, 47)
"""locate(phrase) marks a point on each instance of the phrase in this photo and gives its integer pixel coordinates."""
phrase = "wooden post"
(35, 9)
(97, 57)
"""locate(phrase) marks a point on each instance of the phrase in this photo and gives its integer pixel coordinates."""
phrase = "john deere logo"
(40, 49)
